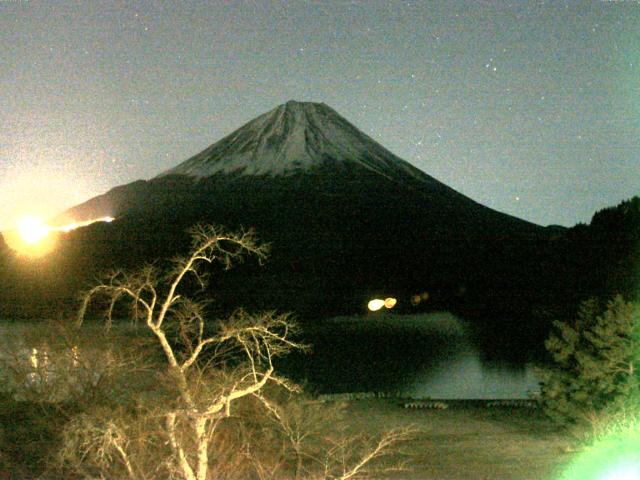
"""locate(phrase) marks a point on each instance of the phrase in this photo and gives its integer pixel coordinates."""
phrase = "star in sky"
(531, 99)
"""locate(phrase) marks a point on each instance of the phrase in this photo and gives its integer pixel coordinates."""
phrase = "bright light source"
(390, 302)
(74, 225)
(375, 304)
(31, 237)
(34, 238)
(32, 230)
(616, 456)
(34, 357)
(626, 471)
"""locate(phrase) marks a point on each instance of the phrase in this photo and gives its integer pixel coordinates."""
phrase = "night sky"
(531, 108)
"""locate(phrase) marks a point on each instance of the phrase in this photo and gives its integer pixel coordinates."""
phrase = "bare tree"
(212, 369)
(259, 338)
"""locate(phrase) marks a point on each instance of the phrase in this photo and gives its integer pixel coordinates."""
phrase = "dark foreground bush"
(29, 436)
(595, 364)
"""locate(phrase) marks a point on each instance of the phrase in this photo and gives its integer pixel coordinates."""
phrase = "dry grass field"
(469, 442)
(459, 443)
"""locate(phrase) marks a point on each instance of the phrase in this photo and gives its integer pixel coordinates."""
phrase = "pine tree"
(595, 362)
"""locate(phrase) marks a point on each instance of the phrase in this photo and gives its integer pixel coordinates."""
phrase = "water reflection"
(465, 377)
(422, 356)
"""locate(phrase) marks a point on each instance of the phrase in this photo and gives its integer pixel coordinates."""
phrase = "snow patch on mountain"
(294, 137)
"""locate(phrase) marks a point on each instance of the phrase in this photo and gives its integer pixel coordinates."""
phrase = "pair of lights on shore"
(418, 298)
(376, 304)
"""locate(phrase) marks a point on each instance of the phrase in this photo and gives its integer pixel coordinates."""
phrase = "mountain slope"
(291, 138)
(346, 218)
(295, 140)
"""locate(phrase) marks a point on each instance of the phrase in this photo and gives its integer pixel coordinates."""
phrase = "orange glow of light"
(376, 304)
(33, 237)
(419, 297)
(74, 225)
(32, 230)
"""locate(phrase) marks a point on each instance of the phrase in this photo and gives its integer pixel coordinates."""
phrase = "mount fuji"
(308, 146)
(295, 137)
(346, 218)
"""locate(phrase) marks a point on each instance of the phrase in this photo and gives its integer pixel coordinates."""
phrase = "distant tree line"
(524, 282)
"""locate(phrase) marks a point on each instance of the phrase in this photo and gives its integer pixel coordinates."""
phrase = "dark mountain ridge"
(295, 140)
(347, 220)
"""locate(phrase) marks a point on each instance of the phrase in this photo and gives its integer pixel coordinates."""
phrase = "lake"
(421, 356)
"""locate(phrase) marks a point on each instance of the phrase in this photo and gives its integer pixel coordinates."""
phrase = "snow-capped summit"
(294, 137)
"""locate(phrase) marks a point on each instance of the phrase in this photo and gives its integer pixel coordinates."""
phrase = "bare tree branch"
(211, 370)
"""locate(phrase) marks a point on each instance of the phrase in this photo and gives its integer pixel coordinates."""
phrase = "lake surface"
(420, 356)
